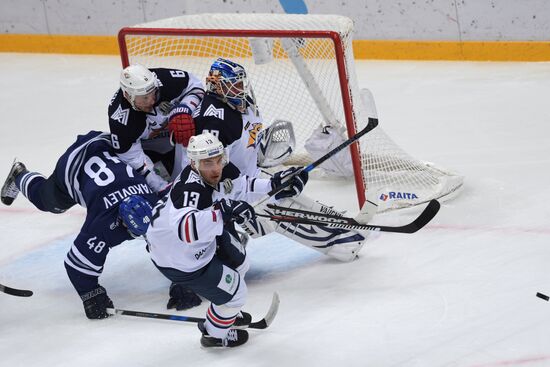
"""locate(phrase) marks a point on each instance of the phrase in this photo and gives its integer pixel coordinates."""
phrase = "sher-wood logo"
(312, 216)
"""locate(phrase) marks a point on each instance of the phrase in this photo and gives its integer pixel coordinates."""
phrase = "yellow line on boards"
(59, 44)
(363, 49)
(447, 50)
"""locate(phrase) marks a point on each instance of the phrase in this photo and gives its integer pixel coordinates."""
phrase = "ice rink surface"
(460, 292)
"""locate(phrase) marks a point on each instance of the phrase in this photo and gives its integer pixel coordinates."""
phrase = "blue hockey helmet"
(229, 81)
(136, 214)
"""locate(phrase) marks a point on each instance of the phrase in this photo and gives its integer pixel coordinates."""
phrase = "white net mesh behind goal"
(302, 78)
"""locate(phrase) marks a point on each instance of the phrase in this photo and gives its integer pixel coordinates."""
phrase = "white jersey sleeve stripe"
(81, 270)
(83, 259)
(26, 181)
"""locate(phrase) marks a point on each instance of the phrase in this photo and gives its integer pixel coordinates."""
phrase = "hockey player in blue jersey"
(118, 201)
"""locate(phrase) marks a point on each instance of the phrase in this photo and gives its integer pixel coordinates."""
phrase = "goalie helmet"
(136, 213)
(229, 81)
(137, 80)
(205, 146)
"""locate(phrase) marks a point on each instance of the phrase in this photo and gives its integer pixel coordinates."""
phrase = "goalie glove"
(181, 125)
(298, 181)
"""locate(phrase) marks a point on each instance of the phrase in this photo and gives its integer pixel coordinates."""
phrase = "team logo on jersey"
(213, 111)
(229, 280)
(395, 195)
(255, 134)
(194, 177)
(121, 115)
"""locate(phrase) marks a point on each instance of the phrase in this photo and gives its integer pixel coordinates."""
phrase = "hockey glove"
(181, 125)
(96, 303)
(182, 298)
(235, 210)
(296, 185)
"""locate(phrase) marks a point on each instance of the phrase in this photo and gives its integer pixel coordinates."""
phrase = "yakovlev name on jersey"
(111, 199)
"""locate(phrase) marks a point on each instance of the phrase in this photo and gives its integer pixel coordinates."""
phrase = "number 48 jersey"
(98, 181)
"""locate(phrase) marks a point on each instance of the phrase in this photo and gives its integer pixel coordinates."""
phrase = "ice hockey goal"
(302, 70)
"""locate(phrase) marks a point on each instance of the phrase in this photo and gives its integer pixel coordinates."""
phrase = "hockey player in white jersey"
(192, 238)
(138, 120)
(229, 111)
(143, 138)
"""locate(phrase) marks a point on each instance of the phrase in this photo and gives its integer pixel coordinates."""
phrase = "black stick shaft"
(298, 216)
(373, 122)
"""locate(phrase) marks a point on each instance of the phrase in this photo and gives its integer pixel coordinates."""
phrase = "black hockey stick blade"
(15, 292)
(291, 215)
(262, 324)
(270, 315)
(424, 218)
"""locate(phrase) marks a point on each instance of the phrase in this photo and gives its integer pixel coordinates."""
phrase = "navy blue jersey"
(93, 176)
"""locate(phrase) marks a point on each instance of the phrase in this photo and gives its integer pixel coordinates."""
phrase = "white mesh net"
(299, 82)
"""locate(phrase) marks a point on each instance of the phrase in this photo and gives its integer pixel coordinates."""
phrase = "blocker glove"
(298, 179)
(96, 303)
(181, 125)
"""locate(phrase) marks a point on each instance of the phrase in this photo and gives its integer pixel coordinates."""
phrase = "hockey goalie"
(230, 112)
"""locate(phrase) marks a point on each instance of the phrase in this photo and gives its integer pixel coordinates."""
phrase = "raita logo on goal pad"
(395, 195)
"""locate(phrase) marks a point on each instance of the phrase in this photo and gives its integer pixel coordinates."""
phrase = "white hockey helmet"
(137, 80)
(205, 146)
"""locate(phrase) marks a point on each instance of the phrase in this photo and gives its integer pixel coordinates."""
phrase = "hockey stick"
(290, 215)
(373, 122)
(15, 292)
(262, 324)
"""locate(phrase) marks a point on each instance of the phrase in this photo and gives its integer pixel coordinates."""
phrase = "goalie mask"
(229, 81)
(138, 81)
(205, 146)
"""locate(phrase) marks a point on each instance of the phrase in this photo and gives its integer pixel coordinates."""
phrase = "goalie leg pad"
(338, 243)
(258, 228)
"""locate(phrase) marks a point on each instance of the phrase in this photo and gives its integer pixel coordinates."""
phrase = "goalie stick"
(15, 292)
(373, 122)
(262, 324)
(290, 215)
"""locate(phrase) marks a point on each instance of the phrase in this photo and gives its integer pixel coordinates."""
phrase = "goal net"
(302, 70)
